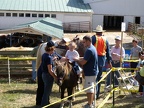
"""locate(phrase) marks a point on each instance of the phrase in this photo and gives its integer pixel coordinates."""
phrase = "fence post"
(8, 70)
(113, 88)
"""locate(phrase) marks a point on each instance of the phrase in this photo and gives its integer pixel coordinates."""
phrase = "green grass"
(21, 94)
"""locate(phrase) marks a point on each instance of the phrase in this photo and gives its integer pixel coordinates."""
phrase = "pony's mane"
(64, 66)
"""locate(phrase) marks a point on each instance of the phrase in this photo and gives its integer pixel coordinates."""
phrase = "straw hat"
(99, 29)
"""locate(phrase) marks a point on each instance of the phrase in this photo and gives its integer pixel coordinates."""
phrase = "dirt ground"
(109, 35)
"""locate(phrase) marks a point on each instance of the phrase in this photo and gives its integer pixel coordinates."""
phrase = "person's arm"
(83, 61)
(93, 39)
(108, 55)
(51, 71)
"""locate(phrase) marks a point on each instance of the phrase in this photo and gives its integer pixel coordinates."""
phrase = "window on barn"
(34, 15)
(14, 14)
(27, 15)
(8, 14)
(40, 15)
(53, 15)
(1, 14)
(47, 15)
(21, 14)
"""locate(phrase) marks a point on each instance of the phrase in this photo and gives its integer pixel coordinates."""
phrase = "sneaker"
(140, 94)
(108, 88)
(88, 106)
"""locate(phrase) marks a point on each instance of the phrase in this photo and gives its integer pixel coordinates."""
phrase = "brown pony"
(67, 79)
(80, 47)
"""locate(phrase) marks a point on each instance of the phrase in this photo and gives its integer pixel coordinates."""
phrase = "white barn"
(71, 12)
(110, 13)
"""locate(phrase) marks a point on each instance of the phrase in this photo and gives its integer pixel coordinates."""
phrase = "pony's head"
(80, 47)
(62, 71)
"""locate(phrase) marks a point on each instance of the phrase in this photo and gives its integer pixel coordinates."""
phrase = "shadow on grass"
(25, 91)
(53, 106)
(131, 106)
(129, 102)
(80, 101)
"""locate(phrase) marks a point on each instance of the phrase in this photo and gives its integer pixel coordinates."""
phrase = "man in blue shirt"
(90, 69)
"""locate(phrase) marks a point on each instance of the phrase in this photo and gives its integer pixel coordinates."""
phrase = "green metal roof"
(45, 5)
(47, 26)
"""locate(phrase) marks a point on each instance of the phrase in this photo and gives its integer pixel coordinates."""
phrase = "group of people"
(45, 69)
(95, 56)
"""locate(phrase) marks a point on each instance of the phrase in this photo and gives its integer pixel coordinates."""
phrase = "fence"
(135, 28)
(84, 26)
(9, 67)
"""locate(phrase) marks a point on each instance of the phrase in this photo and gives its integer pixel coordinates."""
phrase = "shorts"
(90, 81)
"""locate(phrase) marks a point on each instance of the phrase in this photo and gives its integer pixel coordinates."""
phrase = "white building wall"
(77, 17)
(142, 21)
(128, 19)
(127, 8)
(118, 7)
(97, 20)
(8, 22)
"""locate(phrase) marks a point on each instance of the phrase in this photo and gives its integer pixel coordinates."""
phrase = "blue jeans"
(117, 75)
(99, 76)
(33, 70)
(40, 88)
(48, 83)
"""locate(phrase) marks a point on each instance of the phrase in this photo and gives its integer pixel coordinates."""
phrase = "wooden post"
(8, 70)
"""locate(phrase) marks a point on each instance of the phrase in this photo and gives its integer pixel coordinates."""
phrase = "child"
(140, 75)
(70, 54)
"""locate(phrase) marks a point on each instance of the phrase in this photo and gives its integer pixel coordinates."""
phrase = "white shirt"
(117, 51)
(72, 54)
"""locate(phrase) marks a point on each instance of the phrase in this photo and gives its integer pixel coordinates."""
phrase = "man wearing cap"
(134, 54)
(34, 54)
(117, 53)
(102, 47)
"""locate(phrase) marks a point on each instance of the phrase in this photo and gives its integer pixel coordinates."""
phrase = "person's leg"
(48, 83)
(90, 97)
(140, 92)
(117, 75)
(40, 88)
(34, 70)
(99, 76)
(133, 65)
(108, 79)
(140, 88)
(90, 81)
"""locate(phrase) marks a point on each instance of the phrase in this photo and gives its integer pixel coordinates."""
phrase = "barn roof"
(45, 5)
(46, 26)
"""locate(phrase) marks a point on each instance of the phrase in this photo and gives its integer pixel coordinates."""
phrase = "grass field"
(21, 94)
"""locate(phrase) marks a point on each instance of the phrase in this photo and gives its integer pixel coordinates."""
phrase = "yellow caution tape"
(104, 101)
(24, 58)
(107, 97)
(79, 91)
(19, 58)
(130, 60)
(4, 58)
